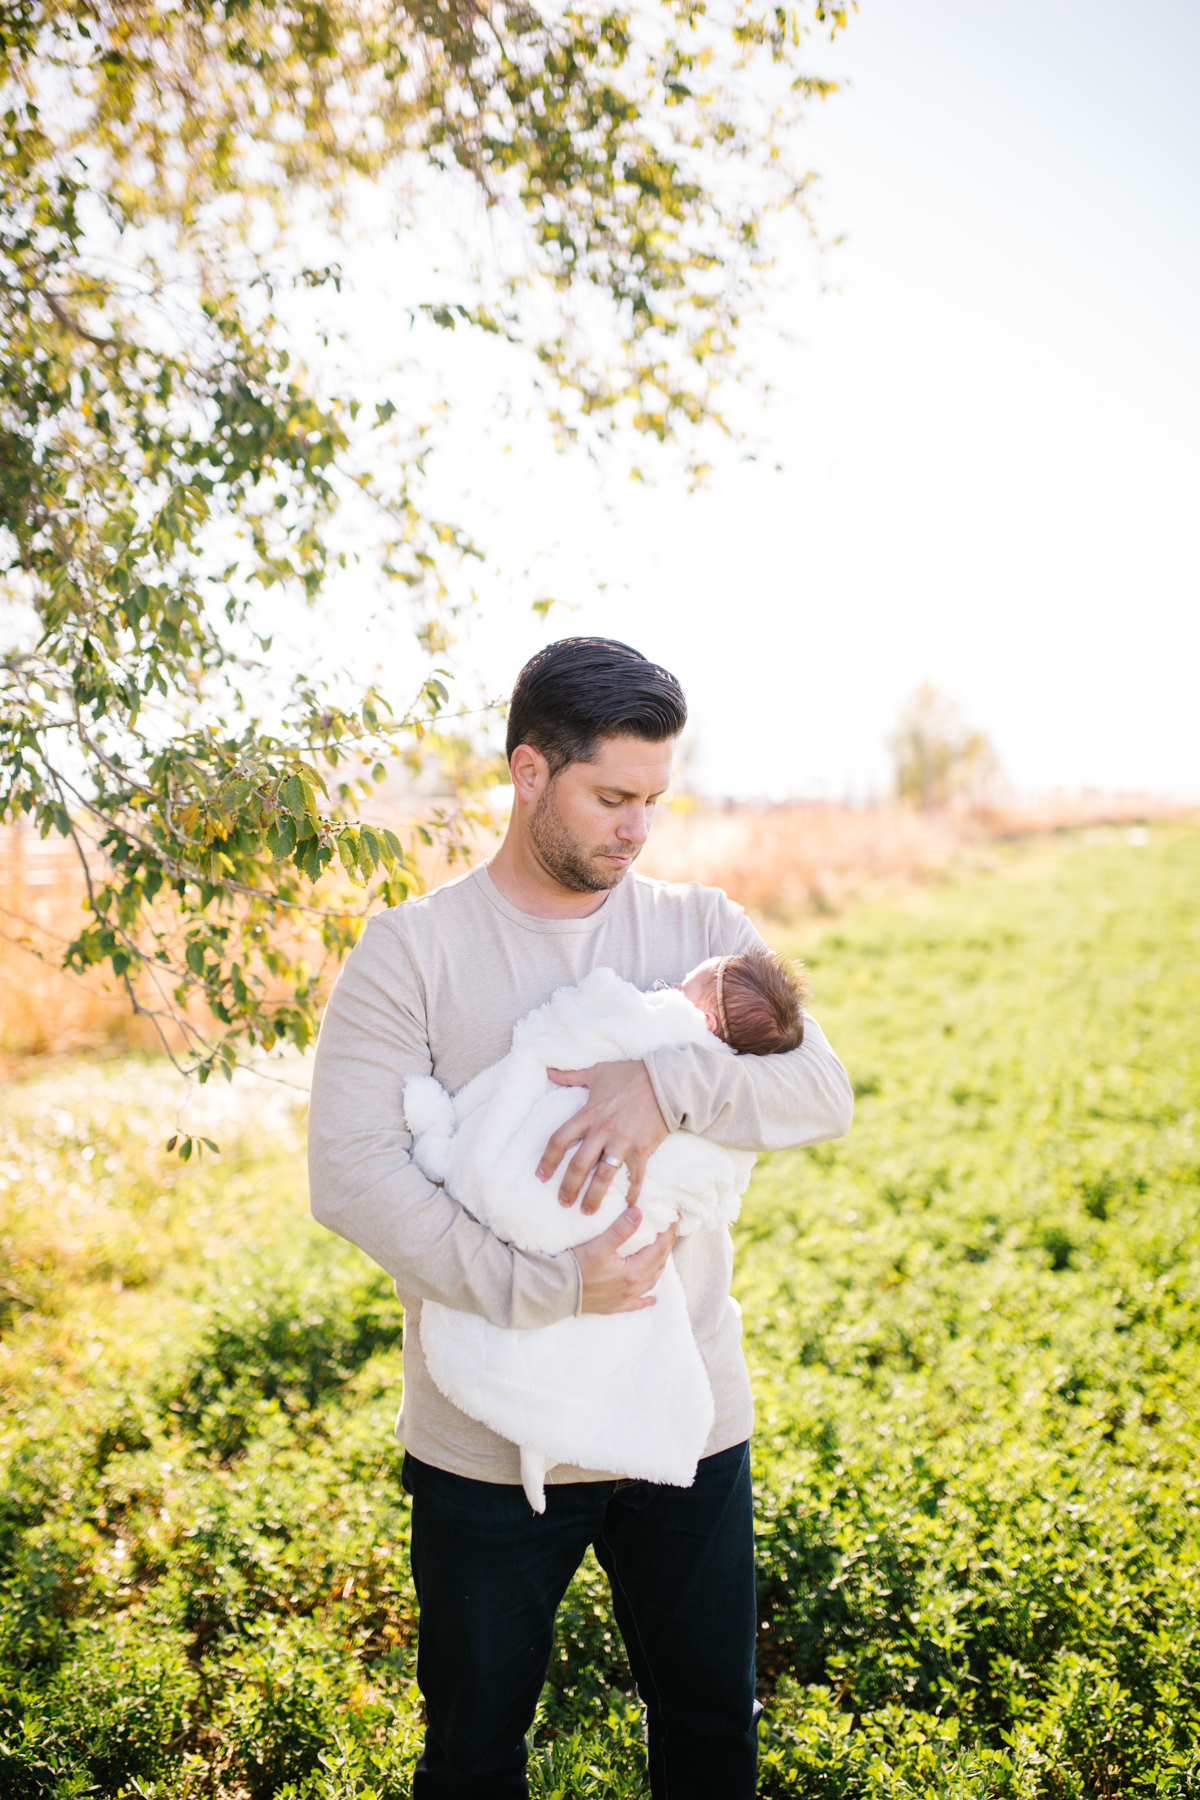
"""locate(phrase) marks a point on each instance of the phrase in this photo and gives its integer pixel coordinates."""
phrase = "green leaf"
(295, 797)
(281, 839)
(309, 858)
(369, 840)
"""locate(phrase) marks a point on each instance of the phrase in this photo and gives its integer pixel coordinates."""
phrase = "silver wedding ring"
(614, 1162)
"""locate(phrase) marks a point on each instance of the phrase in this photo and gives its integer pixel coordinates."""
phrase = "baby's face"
(701, 989)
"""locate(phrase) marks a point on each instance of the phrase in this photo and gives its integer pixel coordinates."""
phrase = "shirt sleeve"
(363, 1183)
(779, 1102)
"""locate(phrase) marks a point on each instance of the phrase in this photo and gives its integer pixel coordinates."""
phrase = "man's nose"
(634, 827)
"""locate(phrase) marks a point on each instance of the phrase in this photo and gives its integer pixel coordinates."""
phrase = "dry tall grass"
(802, 859)
(42, 1008)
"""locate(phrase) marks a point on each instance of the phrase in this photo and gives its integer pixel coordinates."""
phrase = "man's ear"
(530, 772)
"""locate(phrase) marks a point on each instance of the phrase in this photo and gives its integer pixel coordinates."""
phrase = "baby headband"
(721, 998)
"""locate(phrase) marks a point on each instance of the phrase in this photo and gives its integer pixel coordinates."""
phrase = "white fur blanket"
(623, 1392)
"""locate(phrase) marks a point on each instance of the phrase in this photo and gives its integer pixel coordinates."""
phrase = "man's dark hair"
(582, 689)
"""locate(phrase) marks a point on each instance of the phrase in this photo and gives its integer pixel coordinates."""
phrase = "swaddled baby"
(623, 1392)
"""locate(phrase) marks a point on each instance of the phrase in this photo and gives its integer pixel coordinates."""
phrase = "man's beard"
(566, 858)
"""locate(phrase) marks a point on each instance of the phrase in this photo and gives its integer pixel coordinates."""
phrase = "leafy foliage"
(118, 1709)
(972, 1329)
(275, 1347)
(975, 1329)
(165, 459)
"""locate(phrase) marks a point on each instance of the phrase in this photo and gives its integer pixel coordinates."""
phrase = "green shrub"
(603, 1761)
(120, 1708)
(286, 1688)
(50, 1577)
(280, 1340)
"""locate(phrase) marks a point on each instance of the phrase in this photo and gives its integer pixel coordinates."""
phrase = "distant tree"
(937, 756)
(165, 460)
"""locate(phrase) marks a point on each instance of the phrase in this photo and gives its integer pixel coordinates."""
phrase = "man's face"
(590, 822)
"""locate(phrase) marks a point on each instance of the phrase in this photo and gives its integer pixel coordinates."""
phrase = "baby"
(753, 1002)
(628, 1392)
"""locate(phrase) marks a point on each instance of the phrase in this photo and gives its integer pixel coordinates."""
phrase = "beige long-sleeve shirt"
(435, 987)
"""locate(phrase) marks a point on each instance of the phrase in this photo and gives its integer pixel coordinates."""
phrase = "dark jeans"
(490, 1573)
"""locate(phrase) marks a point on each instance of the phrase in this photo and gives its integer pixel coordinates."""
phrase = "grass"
(973, 1332)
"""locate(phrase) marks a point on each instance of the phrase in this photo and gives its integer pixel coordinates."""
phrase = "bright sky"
(989, 433)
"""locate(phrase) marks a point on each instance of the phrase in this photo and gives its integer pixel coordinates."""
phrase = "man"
(436, 986)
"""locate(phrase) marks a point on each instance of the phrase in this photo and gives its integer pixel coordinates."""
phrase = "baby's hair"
(763, 999)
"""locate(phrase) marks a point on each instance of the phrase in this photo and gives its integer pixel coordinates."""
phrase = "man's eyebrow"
(610, 787)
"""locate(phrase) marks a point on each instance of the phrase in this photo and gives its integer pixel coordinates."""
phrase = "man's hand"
(621, 1120)
(614, 1283)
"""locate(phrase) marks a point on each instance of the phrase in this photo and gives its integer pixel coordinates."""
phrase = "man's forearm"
(755, 1102)
(433, 1248)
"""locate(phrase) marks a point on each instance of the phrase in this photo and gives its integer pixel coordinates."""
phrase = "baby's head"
(754, 1002)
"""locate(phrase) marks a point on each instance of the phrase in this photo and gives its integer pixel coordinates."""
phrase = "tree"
(165, 461)
(937, 756)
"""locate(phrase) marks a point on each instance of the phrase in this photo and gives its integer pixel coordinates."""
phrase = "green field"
(974, 1332)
